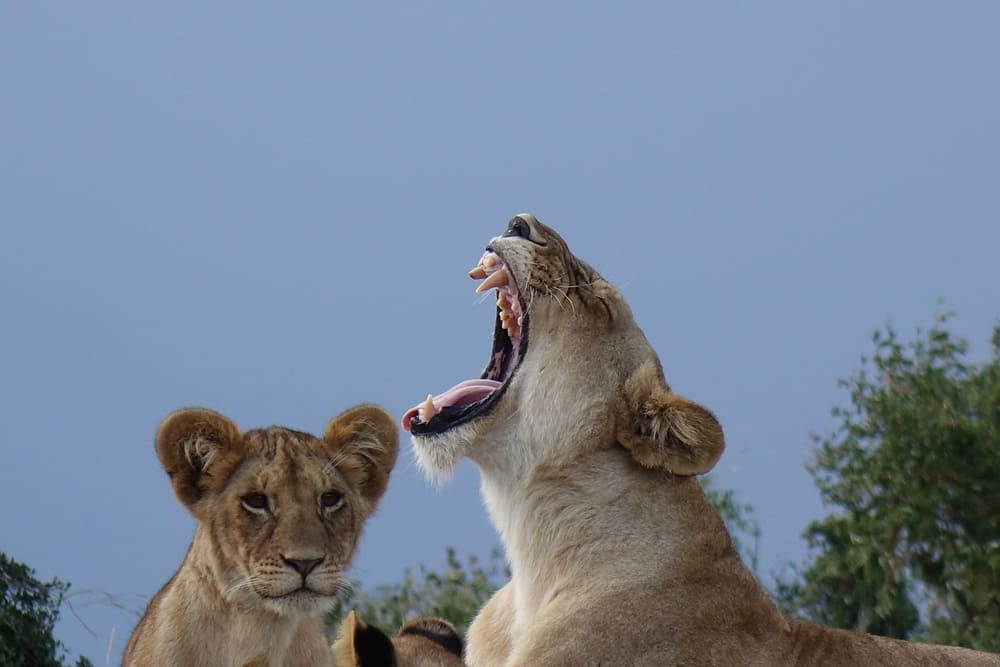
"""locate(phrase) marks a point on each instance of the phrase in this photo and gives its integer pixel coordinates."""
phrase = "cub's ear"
(363, 441)
(663, 430)
(437, 630)
(196, 448)
(361, 645)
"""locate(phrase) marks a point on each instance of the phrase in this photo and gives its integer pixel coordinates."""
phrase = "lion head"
(568, 365)
(279, 511)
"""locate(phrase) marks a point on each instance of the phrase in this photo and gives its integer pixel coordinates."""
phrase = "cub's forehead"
(277, 452)
(278, 441)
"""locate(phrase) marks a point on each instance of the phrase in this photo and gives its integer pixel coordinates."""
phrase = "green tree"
(912, 473)
(29, 610)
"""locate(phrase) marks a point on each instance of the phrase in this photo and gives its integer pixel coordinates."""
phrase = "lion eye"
(255, 501)
(331, 500)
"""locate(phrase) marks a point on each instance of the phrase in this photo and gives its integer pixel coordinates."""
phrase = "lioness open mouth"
(471, 399)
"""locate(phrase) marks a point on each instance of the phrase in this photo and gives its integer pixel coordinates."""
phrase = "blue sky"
(268, 209)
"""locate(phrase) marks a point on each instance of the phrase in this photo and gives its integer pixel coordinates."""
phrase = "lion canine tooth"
(494, 280)
(428, 410)
(477, 273)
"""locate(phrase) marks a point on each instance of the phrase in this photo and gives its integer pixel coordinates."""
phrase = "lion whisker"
(344, 588)
(246, 582)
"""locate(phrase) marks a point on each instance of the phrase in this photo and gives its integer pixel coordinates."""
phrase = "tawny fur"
(587, 465)
(422, 642)
(256, 582)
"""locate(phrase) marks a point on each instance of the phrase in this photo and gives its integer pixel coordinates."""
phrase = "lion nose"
(303, 565)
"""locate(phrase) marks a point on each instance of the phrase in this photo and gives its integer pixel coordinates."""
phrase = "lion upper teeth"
(495, 274)
(488, 263)
(497, 279)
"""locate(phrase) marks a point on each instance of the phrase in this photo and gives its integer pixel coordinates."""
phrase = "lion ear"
(364, 442)
(663, 430)
(195, 447)
(362, 645)
(437, 630)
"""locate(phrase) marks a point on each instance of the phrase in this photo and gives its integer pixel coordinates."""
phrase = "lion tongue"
(463, 393)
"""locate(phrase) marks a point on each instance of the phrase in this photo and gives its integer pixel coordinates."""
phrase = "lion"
(588, 464)
(279, 514)
(422, 642)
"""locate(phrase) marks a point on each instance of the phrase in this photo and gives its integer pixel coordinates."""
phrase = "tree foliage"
(912, 472)
(29, 610)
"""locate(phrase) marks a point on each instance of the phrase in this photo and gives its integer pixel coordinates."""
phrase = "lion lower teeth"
(428, 410)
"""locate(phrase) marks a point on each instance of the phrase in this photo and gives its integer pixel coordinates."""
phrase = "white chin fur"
(438, 455)
(301, 604)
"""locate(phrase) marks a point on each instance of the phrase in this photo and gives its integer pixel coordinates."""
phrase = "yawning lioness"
(588, 462)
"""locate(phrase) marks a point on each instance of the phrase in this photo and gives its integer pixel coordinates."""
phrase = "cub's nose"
(303, 565)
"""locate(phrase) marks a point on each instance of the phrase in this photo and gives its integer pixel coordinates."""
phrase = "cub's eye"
(331, 500)
(518, 227)
(255, 502)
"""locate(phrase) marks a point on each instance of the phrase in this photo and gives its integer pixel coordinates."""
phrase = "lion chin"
(588, 465)
(301, 602)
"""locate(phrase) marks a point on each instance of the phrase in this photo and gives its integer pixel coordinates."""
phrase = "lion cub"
(279, 516)
(423, 642)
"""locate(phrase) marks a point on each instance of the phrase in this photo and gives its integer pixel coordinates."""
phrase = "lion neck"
(598, 522)
(564, 495)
